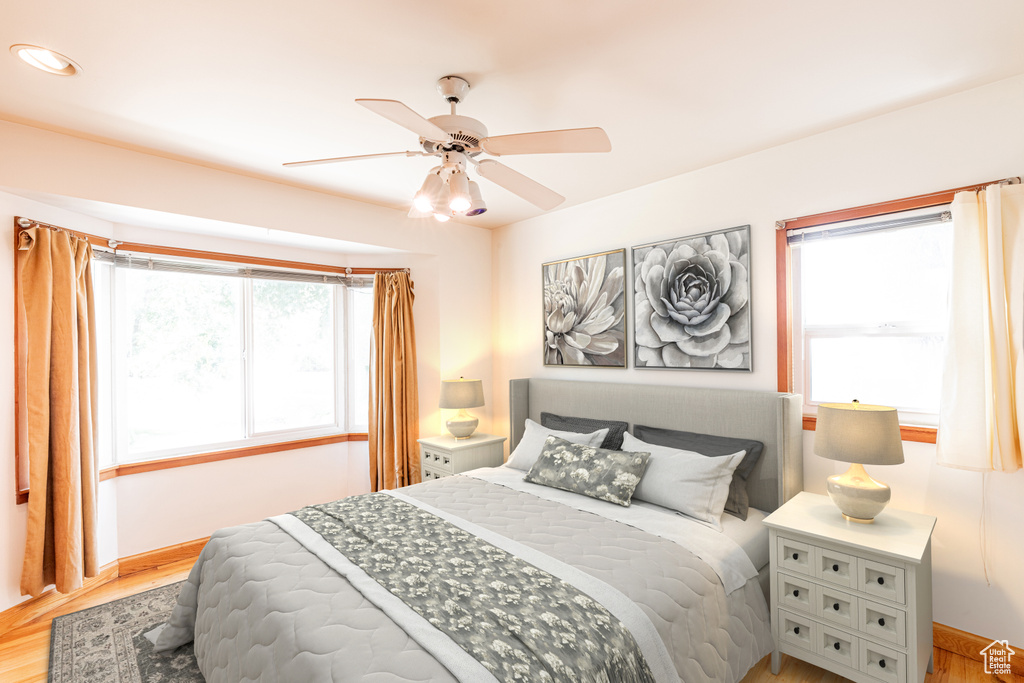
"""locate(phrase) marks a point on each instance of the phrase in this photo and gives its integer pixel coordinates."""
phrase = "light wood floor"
(24, 652)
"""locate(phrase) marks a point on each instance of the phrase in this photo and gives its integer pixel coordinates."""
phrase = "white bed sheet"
(724, 555)
(751, 535)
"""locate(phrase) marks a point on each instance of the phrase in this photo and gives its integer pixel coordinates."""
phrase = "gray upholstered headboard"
(772, 418)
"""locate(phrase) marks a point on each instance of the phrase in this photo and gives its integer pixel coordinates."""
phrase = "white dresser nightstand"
(442, 456)
(852, 598)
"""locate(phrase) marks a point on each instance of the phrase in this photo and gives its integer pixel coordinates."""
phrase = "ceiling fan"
(457, 141)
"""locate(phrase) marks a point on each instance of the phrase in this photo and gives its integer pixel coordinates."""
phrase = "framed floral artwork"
(692, 302)
(585, 311)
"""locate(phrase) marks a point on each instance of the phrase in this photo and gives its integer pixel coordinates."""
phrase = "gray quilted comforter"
(263, 608)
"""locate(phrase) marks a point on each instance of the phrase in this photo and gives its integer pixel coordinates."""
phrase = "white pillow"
(693, 484)
(528, 450)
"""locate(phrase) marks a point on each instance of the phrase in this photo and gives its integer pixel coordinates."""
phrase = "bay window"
(204, 356)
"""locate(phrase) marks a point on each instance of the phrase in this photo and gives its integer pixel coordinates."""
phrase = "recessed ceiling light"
(46, 60)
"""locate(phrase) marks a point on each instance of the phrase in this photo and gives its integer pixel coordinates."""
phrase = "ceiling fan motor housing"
(453, 88)
(465, 132)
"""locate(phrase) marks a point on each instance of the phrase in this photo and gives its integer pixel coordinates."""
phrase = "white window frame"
(356, 423)
(803, 335)
(344, 361)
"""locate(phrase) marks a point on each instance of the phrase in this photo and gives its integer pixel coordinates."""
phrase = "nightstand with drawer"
(442, 456)
(852, 598)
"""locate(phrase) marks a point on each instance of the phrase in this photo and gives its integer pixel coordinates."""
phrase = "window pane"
(360, 336)
(180, 360)
(903, 372)
(293, 355)
(876, 278)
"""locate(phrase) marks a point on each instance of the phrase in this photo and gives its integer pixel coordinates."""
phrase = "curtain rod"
(892, 206)
(23, 223)
(831, 231)
(95, 240)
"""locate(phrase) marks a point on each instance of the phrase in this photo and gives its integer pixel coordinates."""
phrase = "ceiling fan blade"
(549, 142)
(395, 111)
(314, 162)
(518, 184)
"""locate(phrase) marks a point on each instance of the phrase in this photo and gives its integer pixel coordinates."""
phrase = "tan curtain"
(981, 411)
(58, 371)
(394, 396)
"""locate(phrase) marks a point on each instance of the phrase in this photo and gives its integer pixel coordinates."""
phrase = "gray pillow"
(596, 472)
(585, 424)
(712, 446)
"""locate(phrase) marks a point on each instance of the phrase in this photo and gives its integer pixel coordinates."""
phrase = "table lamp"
(862, 435)
(461, 394)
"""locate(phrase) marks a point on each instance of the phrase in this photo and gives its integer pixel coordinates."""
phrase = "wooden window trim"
(784, 284)
(916, 433)
(21, 223)
(128, 468)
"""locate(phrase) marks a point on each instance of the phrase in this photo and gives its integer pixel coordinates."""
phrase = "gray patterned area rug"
(104, 644)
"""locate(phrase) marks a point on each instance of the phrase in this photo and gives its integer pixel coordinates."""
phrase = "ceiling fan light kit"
(457, 140)
(429, 192)
(477, 205)
(458, 185)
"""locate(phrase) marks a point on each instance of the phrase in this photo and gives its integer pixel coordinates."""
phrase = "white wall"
(450, 266)
(967, 138)
(158, 509)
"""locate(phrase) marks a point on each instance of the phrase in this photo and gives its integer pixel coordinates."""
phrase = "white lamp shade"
(477, 205)
(459, 199)
(860, 433)
(424, 200)
(461, 393)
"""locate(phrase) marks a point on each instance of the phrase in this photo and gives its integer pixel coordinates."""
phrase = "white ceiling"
(677, 84)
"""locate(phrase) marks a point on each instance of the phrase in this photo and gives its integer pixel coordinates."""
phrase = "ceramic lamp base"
(859, 497)
(462, 425)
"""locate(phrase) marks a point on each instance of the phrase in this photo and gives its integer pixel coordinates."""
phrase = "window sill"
(907, 432)
(200, 458)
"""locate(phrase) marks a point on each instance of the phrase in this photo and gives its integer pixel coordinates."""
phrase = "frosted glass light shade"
(425, 199)
(477, 205)
(458, 186)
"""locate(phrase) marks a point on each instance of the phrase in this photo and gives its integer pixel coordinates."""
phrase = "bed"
(492, 567)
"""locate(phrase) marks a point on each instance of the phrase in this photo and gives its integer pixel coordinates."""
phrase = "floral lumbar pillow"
(589, 470)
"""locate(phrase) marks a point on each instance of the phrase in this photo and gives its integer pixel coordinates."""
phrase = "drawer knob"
(796, 556)
(836, 646)
(796, 592)
(796, 630)
(881, 580)
(835, 567)
(881, 663)
(835, 606)
(881, 621)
